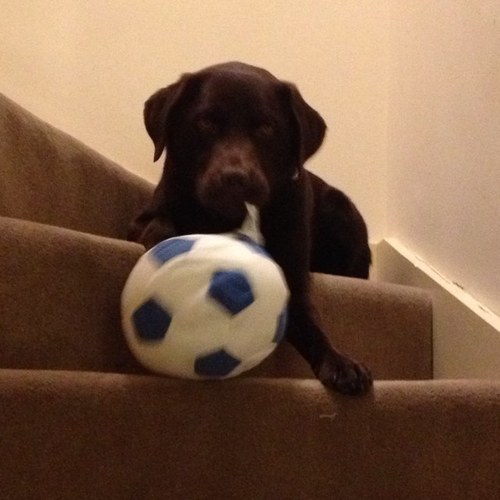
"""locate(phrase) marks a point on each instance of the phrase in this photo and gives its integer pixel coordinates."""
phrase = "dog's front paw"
(344, 375)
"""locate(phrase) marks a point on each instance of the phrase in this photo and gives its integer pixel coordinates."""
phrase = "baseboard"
(466, 334)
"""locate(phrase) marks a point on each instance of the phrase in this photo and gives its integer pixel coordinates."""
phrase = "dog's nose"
(234, 178)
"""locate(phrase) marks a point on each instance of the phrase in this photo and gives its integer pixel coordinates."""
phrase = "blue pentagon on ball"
(216, 364)
(232, 290)
(168, 249)
(151, 321)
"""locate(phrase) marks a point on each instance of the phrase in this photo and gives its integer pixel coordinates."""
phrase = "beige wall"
(466, 336)
(88, 66)
(444, 139)
(410, 91)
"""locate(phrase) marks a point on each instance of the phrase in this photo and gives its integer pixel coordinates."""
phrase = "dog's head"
(233, 132)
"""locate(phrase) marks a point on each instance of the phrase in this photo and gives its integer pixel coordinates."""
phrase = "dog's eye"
(265, 131)
(206, 126)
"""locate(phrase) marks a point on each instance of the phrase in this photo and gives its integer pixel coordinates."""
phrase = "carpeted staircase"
(79, 418)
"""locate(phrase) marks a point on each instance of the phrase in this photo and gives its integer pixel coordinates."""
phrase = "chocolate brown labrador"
(235, 134)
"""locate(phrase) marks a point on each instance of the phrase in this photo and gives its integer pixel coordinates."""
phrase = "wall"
(410, 90)
(444, 139)
(466, 335)
(87, 67)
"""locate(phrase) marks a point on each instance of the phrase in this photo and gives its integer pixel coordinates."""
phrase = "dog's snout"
(234, 167)
(235, 178)
(234, 156)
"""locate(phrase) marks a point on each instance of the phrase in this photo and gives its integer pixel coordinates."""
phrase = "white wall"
(444, 139)
(88, 66)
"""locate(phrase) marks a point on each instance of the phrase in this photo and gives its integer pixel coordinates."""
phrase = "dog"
(235, 134)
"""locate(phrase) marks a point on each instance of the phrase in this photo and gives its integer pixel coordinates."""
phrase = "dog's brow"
(205, 112)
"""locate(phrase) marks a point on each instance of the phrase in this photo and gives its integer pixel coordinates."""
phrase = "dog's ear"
(156, 112)
(310, 125)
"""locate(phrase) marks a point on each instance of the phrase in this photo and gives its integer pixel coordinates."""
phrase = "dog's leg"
(340, 237)
(154, 223)
(333, 369)
(285, 227)
(156, 230)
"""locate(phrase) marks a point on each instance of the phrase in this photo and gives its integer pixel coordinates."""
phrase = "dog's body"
(234, 134)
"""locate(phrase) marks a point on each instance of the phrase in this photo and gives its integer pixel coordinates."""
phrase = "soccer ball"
(204, 306)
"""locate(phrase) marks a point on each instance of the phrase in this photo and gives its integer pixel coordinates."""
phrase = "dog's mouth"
(226, 191)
